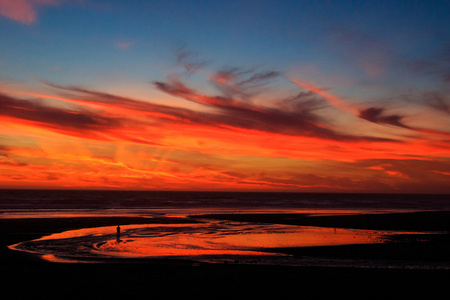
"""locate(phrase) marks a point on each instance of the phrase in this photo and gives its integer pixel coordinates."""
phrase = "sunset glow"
(112, 95)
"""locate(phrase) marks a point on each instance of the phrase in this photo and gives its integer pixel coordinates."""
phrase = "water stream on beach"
(206, 241)
(211, 241)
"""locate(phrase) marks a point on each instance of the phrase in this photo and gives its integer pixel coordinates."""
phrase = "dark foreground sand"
(23, 276)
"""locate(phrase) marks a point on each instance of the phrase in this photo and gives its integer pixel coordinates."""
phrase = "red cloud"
(23, 11)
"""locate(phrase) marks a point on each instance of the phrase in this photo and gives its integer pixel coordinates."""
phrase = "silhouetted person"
(118, 234)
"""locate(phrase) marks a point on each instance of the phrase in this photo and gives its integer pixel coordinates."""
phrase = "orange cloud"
(76, 137)
(332, 99)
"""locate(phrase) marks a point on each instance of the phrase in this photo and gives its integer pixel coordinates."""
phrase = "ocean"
(207, 240)
(95, 199)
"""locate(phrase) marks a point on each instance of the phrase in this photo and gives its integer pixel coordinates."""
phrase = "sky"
(294, 96)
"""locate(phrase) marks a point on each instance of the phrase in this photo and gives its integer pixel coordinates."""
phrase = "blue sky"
(77, 38)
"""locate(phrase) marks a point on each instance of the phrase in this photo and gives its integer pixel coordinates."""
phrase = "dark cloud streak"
(299, 120)
(189, 60)
(438, 102)
(243, 83)
(80, 123)
(36, 111)
(376, 115)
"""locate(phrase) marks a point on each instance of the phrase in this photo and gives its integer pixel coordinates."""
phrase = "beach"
(26, 275)
(419, 246)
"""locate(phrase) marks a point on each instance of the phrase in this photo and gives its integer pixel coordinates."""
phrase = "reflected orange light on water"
(210, 238)
(302, 237)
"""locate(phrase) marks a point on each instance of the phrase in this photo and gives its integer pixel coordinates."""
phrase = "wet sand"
(24, 275)
(413, 221)
(434, 246)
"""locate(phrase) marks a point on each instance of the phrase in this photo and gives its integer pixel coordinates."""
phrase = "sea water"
(81, 199)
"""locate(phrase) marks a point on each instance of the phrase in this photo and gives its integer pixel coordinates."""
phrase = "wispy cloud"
(123, 45)
(415, 175)
(77, 121)
(332, 99)
(237, 104)
(53, 117)
(243, 133)
(242, 83)
(438, 101)
(377, 115)
(362, 50)
(181, 167)
(295, 116)
(189, 60)
(6, 159)
(23, 11)
(297, 119)
(377, 57)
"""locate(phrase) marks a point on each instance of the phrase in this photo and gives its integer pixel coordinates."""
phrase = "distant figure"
(118, 234)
